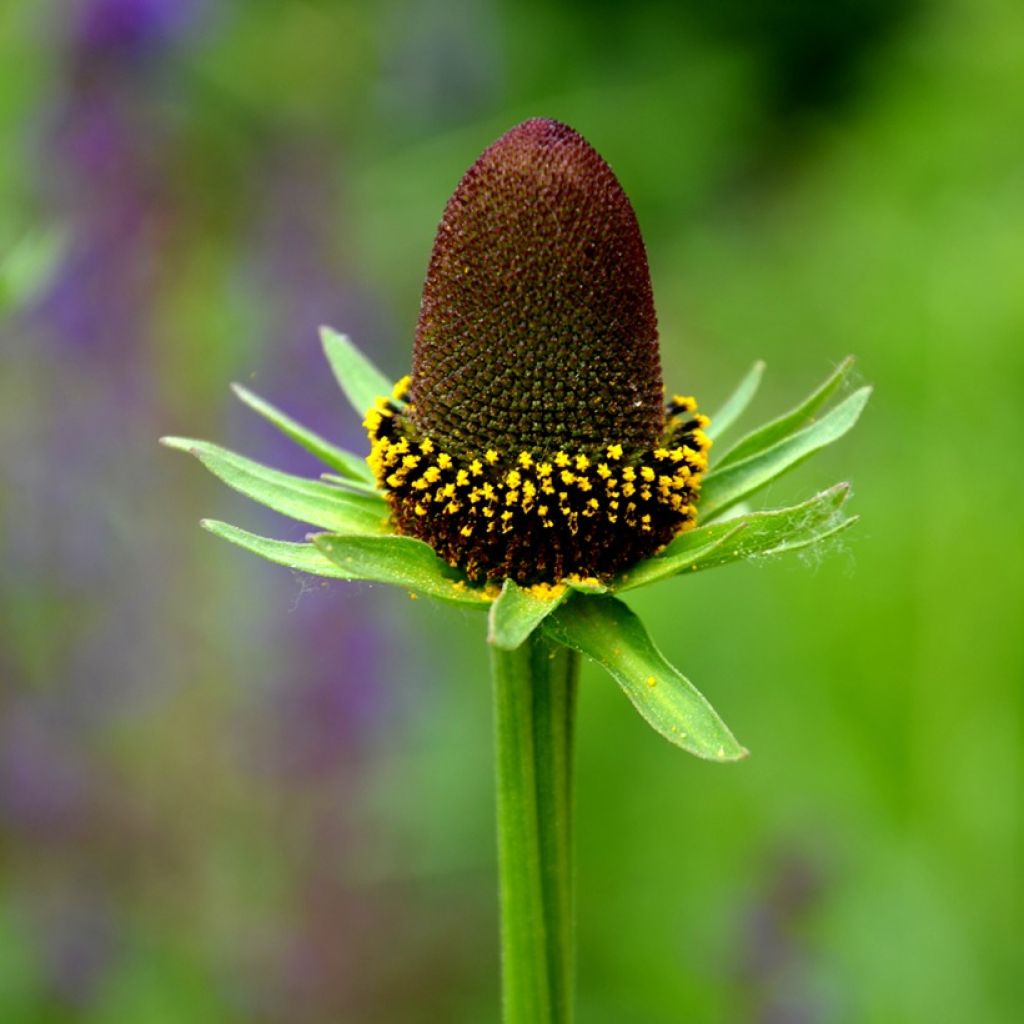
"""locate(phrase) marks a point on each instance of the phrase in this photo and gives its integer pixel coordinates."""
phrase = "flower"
(528, 466)
(532, 441)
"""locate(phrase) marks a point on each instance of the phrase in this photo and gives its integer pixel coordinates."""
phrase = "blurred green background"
(228, 794)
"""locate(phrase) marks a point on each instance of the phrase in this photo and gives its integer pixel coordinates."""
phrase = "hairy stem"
(535, 704)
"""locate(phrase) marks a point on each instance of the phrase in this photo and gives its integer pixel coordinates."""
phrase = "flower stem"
(535, 705)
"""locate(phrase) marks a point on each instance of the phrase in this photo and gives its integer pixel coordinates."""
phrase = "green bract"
(355, 539)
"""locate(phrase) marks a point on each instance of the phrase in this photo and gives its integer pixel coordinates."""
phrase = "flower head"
(533, 441)
(532, 445)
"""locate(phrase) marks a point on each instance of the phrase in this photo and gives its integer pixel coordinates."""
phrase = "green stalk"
(535, 705)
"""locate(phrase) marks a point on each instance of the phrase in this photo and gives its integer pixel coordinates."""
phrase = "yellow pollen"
(582, 462)
(444, 460)
(525, 460)
(491, 456)
(561, 460)
(603, 471)
(661, 453)
(401, 388)
(647, 473)
(476, 467)
(615, 451)
(426, 446)
(543, 470)
(512, 478)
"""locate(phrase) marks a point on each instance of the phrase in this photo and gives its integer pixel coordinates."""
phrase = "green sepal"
(361, 382)
(402, 562)
(778, 429)
(604, 629)
(724, 487)
(752, 535)
(348, 484)
(308, 501)
(302, 557)
(518, 611)
(353, 468)
(736, 404)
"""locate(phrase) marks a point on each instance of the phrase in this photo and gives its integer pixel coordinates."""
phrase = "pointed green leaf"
(735, 405)
(753, 535)
(350, 466)
(348, 484)
(604, 629)
(361, 381)
(771, 433)
(308, 501)
(688, 555)
(724, 487)
(518, 611)
(303, 557)
(402, 562)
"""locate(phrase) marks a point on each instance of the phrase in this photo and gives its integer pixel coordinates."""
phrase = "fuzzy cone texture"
(537, 328)
(532, 441)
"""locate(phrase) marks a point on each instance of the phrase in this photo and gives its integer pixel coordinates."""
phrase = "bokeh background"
(228, 794)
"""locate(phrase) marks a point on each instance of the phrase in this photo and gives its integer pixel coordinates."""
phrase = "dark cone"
(537, 328)
(532, 442)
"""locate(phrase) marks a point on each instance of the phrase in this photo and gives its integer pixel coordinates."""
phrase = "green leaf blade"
(360, 381)
(301, 557)
(350, 466)
(759, 534)
(723, 487)
(736, 404)
(518, 611)
(307, 501)
(778, 429)
(401, 562)
(605, 630)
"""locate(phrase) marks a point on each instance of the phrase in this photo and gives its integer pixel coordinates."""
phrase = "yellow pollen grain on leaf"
(614, 451)
(413, 596)
(651, 681)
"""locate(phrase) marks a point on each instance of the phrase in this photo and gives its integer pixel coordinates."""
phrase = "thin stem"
(535, 705)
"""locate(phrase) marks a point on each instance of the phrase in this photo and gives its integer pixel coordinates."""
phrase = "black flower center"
(532, 441)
